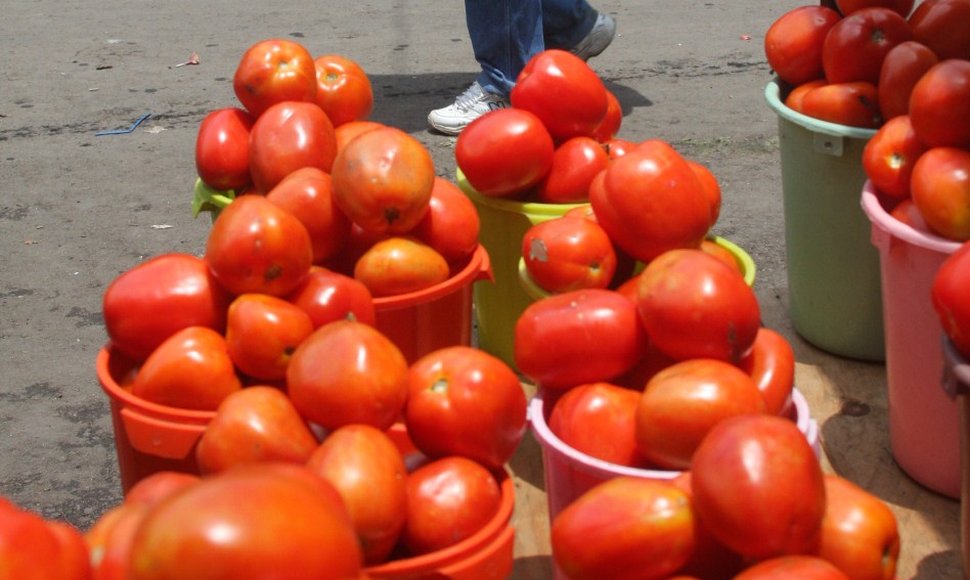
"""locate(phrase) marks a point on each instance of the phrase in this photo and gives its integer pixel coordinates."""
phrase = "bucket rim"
(881, 219)
(478, 267)
(512, 205)
(773, 97)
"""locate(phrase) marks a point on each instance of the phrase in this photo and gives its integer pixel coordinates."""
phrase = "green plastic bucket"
(834, 294)
(503, 224)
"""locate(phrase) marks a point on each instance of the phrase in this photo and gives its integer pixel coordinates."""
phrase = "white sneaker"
(470, 105)
(598, 38)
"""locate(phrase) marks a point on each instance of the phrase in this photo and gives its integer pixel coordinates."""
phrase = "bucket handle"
(158, 437)
(485, 268)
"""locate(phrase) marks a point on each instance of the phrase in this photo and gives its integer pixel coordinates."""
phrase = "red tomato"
(344, 91)
(616, 147)
(348, 372)
(272, 71)
(504, 152)
(856, 45)
(941, 191)
(598, 420)
(760, 464)
(258, 423)
(155, 487)
(265, 520)
(683, 402)
(889, 156)
(400, 264)
(367, 469)
(796, 97)
(626, 527)
(712, 189)
(563, 91)
(222, 149)
(344, 133)
(855, 104)
(575, 163)
(793, 42)
(950, 298)
(153, 300)
(859, 531)
(785, 567)
(938, 105)
(110, 538)
(711, 247)
(256, 246)
(286, 137)
(710, 558)
(464, 401)
(382, 180)
(307, 193)
(34, 548)
(903, 66)
(568, 253)
(262, 333)
(651, 362)
(328, 296)
(941, 25)
(451, 225)
(610, 125)
(907, 212)
(652, 201)
(448, 500)
(694, 306)
(771, 364)
(902, 7)
(583, 336)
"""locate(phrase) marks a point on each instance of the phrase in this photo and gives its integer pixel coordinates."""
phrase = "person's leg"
(576, 26)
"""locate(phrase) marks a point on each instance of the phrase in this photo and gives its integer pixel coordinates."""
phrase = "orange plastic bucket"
(436, 317)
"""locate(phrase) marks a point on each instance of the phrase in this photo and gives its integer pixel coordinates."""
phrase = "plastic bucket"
(956, 384)
(833, 270)
(748, 269)
(503, 224)
(436, 317)
(923, 421)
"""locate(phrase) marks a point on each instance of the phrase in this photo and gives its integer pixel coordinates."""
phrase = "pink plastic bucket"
(923, 422)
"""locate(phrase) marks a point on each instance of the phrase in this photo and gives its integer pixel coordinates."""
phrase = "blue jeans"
(505, 34)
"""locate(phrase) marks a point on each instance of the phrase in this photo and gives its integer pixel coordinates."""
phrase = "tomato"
(262, 333)
(110, 538)
(712, 189)
(938, 105)
(400, 264)
(612, 120)
(190, 370)
(328, 296)
(907, 212)
(155, 487)
(272, 71)
(307, 193)
(941, 191)
(348, 372)
(937, 24)
(626, 527)
(504, 152)
(796, 97)
(683, 402)
(367, 469)
(451, 225)
(694, 306)
(35, 548)
(793, 42)
(710, 558)
(759, 464)
(344, 133)
(949, 296)
(652, 201)
(598, 420)
(448, 500)
(464, 401)
(771, 364)
(902, 67)
(902, 7)
(651, 362)
(582, 336)
(256, 246)
(575, 163)
(563, 91)
(889, 155)
(382, 180)
(265, 520)
(151, 301)
(222, 149)
(288, 136)
(711, 247)
(258, 423)
(855, 104)
(568, 253)
(856, 45)
(859, 531)
(344, 91)
(798, 566)
(616, 147)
